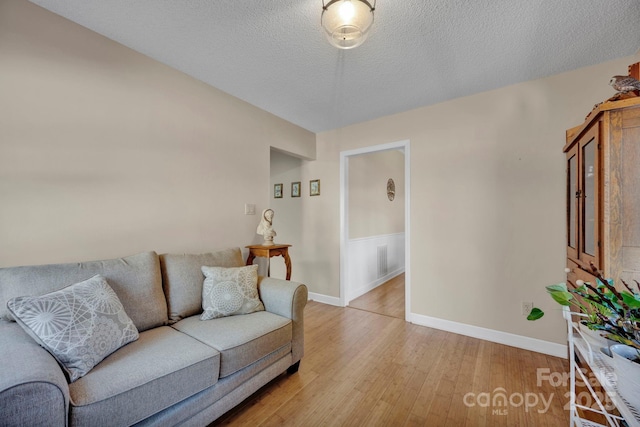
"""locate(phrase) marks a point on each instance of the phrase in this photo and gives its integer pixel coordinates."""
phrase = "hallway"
(387, 299)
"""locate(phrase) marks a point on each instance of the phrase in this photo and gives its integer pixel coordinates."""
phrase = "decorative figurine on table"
(266, 227)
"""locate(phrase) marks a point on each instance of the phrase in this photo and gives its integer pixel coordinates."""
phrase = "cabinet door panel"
(572, 203)
(589, 189)
(583, 199)
(630, 187)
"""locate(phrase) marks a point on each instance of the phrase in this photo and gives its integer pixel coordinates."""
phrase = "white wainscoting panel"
(365, 255)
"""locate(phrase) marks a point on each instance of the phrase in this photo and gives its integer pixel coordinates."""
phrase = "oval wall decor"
(391, 189)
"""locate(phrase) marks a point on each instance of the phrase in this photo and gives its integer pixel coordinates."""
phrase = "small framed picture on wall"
(277, 191)
(314, 187)
(295, 189)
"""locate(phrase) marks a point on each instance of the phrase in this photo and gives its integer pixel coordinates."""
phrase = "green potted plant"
(615, 315)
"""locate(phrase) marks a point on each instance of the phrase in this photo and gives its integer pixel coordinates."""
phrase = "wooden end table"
(268, 252)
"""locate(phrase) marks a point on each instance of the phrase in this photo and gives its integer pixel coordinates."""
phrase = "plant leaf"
(581, 290)
(630, 300)
(535, 314)
(561, 297)
(558, 287)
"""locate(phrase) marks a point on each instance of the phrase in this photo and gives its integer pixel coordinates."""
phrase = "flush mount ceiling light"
(347, 22)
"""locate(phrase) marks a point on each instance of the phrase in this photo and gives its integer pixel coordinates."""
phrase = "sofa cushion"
(182, 279)
(135, 279)
(230, 291)
(79, 325)
(241, 340)
(161, 368)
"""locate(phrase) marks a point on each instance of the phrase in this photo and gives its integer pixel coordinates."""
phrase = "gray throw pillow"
(230, 291)
(79, 325)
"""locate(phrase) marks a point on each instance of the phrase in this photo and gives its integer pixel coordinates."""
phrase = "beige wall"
(487, 198)
(105, 152)
(370, 211)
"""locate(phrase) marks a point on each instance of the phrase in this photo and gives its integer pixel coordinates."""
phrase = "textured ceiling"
(273, 54)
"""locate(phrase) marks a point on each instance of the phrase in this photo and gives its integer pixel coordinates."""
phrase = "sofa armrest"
(286, 299)
(33, 388)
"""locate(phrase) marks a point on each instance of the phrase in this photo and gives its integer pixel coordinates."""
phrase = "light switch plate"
(249, 209)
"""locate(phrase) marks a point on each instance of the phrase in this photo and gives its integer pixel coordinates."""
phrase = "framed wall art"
(314, 187)
(277, 191)
(295, 189)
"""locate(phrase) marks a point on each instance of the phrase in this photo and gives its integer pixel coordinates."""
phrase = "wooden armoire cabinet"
(603, 192)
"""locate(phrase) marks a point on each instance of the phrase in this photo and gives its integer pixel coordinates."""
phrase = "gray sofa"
(180, 371)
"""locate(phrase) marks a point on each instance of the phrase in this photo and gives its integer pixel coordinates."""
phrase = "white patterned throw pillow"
(230, 291)
(79, 325)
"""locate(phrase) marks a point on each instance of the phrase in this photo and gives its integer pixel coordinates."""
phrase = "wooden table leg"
(250, 258)
(287, 262)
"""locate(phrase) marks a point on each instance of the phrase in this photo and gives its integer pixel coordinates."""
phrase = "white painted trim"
(325, 299)
(375, 148)
(407, 230)
(513, 340)
(344, 227)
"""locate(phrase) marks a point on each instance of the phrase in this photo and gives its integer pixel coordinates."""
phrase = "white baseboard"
(506, 338)
(513, 340)
(325, 299)
(371, 286)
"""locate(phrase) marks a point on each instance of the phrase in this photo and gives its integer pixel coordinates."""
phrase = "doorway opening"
(371, 258)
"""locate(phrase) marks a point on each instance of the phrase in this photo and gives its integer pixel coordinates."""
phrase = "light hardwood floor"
(366, 369)
(387, 299)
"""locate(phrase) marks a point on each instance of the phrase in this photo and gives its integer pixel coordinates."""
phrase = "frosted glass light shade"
(347, 22)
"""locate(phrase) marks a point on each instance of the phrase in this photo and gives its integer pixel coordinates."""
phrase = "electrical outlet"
(249, 209)
(526, 308)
